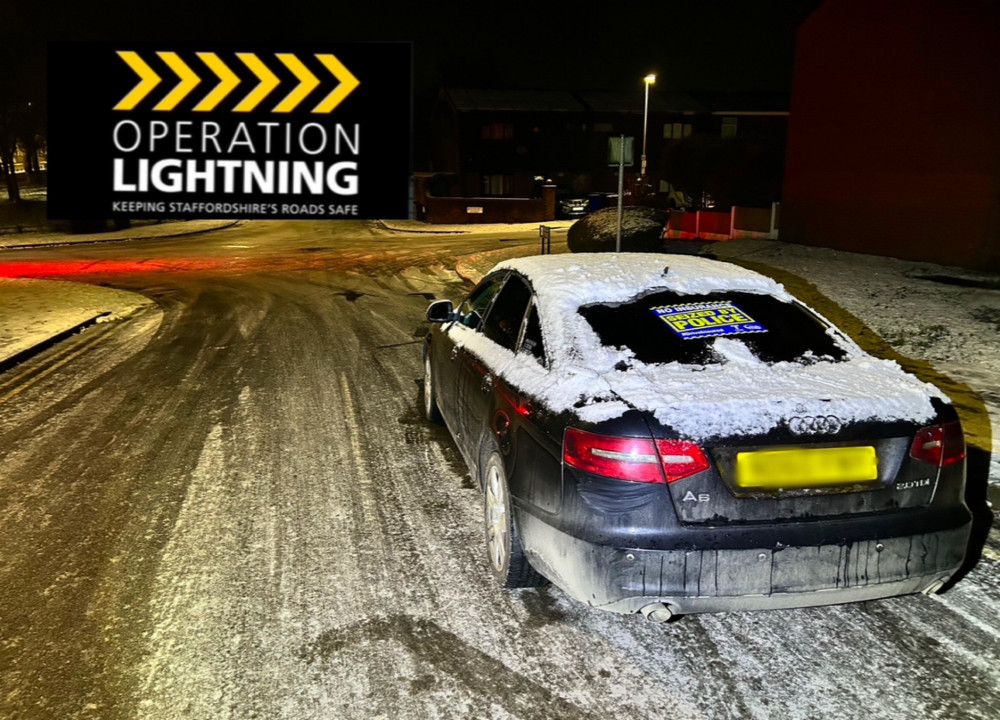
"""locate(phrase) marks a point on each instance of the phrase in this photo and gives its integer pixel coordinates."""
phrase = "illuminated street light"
(648, 80)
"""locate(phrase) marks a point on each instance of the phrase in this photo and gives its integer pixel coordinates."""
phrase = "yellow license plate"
(815, 467)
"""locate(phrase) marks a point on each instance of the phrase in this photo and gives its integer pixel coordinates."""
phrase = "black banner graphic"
(239, 130)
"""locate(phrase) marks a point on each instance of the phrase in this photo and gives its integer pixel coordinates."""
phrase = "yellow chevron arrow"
(347, 84)
(188, 81)
(227, 81)
(147, 80)
(307, 83)
(268, 81)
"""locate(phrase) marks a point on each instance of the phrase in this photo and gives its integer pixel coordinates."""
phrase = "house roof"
(466, 100)
(620, 102)
(745, 103)
(660, 101)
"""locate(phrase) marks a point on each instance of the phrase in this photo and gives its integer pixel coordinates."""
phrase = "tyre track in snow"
(106, 465)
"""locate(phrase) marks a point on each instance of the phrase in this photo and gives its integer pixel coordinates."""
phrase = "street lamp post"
(648, 80)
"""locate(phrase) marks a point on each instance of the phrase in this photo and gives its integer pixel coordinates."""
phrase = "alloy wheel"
(497, 528)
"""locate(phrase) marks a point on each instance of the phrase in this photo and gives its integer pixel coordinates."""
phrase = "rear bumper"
(692, 581)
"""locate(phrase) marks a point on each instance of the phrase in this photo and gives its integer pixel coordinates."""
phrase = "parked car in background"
(672, 435)
(574, 207)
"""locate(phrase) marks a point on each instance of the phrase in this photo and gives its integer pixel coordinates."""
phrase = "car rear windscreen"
(665, 327)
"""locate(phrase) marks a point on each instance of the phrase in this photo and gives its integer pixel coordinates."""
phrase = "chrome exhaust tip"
(657, 612)
(933, 588)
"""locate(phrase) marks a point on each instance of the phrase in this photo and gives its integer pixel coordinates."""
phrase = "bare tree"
(22, 126)
(8, 143)
(29, 132)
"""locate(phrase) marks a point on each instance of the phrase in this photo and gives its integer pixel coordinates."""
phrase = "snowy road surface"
(231, 507)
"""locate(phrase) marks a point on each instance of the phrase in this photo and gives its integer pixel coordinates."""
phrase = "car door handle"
(454, 353)
(487, 385)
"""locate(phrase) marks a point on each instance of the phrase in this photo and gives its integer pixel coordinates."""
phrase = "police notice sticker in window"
(698, 320)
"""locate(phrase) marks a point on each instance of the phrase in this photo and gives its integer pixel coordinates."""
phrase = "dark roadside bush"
(642, 230)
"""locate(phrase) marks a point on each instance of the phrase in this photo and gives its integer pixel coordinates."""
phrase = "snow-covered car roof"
(581, 278)
(739, 395)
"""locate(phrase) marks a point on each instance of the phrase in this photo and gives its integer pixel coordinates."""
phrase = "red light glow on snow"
(63, 268)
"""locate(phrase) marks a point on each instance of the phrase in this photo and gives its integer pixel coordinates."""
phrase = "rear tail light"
(636, 459)
(681, 458)
(939, 445)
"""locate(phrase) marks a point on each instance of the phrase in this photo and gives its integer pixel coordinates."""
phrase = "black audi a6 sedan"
(672, 435)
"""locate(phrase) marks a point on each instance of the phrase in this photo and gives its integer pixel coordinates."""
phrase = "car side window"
(531, 343)
(503, 323)
(470, 312)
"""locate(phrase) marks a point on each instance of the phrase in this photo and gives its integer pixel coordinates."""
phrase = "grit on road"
(230, 506)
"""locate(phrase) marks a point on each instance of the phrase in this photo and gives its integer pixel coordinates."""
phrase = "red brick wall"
(894, 134)
(452, 210)
(443, 211)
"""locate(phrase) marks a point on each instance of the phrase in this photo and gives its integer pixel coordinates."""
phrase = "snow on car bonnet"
(740, 394)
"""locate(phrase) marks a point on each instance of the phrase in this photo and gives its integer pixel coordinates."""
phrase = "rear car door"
(536, 477)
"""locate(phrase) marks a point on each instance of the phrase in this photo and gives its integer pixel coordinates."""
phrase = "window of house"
(728, 127)
(497, 184)
(604, 127)
(498, 131)
(675, 131)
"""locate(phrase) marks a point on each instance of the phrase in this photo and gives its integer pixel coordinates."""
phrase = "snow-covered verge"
(170, 228)
(418, 226)
(33, 311)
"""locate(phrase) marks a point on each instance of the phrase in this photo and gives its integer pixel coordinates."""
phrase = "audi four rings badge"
(820, 425)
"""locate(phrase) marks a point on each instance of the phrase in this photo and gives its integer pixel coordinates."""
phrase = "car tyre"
(431, 410)
(503, 542)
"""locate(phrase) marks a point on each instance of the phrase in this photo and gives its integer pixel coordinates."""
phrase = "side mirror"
(441, 311)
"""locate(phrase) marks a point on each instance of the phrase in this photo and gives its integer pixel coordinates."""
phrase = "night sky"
(729, 45)
(722, 46)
